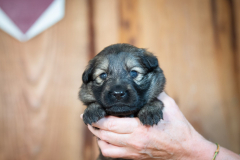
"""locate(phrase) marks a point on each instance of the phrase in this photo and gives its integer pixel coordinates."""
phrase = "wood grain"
(225, 49)
(106, 23)
(236, 12)
(103, 31)
(39, 85)
(129, 22)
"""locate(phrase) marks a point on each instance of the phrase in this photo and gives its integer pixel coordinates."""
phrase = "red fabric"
(24, 12)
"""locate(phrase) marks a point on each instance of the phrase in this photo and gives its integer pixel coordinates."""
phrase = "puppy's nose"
(119, 94)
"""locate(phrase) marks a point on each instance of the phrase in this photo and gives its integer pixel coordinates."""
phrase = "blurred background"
(197, 43)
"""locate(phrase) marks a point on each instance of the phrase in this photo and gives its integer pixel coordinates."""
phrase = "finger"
(110, 137)
(109, 150)
(81, 116)
(117, 125)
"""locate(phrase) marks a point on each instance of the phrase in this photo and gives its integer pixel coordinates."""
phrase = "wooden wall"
(197, 44)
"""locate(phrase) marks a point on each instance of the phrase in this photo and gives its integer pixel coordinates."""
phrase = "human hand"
(172, 138)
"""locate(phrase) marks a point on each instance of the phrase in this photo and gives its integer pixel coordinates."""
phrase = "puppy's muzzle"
(118, 96)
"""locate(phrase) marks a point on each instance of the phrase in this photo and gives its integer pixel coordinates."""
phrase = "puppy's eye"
(133, 74)
(103, 76)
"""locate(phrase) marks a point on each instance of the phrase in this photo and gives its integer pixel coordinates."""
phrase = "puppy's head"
(124, 78)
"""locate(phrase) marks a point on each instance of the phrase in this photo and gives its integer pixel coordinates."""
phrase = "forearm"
(205, 150)
(202, 149)
(227, 154)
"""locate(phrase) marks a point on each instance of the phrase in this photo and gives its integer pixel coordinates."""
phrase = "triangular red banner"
(24, 12)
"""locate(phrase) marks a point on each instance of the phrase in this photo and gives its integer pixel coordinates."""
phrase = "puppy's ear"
(87, 74)
(150, 61)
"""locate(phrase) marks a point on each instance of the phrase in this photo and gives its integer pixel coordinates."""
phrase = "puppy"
(122, 80)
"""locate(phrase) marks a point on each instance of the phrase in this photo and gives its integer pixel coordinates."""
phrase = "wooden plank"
(236, 18)
(236, 26)
(88, 141)
(103, 31)
(130, 28)
(39, 83)
(106, 23)
(225, 49)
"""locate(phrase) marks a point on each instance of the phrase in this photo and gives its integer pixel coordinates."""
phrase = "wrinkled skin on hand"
(172, 138)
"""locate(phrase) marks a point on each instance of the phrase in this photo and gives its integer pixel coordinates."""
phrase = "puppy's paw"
(150, 115)
(93, 113)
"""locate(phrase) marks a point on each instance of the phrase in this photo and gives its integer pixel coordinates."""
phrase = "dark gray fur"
(140, 93)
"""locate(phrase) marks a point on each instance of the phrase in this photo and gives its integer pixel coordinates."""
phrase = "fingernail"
(81, 116)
